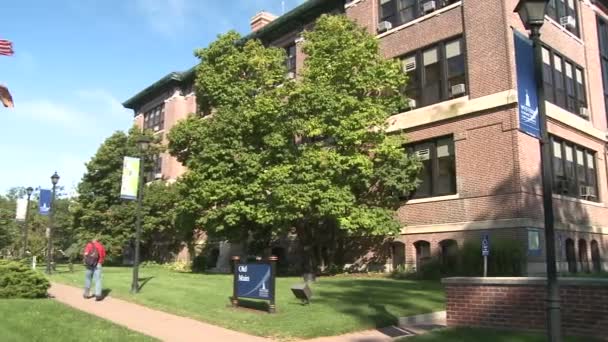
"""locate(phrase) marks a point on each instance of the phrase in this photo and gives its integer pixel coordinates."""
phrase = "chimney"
(261, 19)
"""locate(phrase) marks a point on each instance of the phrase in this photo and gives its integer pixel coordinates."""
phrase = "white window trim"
(352, 3)
(578, 200)
(433, 199)
(420, 19)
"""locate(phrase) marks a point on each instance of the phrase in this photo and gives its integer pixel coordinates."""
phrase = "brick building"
(481, 173)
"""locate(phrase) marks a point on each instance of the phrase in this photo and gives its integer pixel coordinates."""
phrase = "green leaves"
(310, 154)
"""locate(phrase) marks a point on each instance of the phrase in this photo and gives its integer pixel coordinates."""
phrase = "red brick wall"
(522, 306)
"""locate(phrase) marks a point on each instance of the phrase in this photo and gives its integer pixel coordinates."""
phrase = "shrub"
(179, 266)
(19, 281)
(507, 259)
(199, 263)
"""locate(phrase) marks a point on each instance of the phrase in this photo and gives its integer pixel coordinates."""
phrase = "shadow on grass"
(380, 302)
(253, 305)
(143, 282)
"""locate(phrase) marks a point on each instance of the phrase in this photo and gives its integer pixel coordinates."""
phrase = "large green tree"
(309, 156)
(99, 210)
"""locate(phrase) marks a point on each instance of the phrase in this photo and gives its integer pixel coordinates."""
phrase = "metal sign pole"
(235, 299)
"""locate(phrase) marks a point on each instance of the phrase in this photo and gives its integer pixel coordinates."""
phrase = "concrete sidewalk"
(173, 328)
(158, 324)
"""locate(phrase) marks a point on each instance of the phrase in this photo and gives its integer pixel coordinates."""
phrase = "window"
(291, 60)
(574, 170)
(399, 12)
(156, 172)
(440, 77)
(602, 27)
(438, 174)
(154, 119)
(558, 9)
(534, 248)
(564, 83)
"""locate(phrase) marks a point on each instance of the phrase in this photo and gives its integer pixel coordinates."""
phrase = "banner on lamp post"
(529, 120)
(21, 209)
(44, 204)
(130, 178)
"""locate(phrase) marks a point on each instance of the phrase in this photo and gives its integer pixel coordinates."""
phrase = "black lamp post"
(29, 192)
(532, 14)
(49, 248)
(142, 143)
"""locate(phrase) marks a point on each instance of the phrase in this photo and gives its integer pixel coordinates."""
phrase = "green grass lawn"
(484, 335)
(339, 305)
(47, 320)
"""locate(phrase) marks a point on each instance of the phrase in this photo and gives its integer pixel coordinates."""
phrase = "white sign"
(21, 209)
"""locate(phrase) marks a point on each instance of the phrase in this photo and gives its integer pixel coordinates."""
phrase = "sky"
(76, 61)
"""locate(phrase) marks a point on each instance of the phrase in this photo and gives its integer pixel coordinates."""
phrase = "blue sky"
(76, 61)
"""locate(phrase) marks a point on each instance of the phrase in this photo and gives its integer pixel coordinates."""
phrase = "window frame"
(550, 84)
(575, 177)
(418, 12)
(442, 60)
(434, 172)
(602, 25)
(291, 60)
(556, 12)
(155, 117)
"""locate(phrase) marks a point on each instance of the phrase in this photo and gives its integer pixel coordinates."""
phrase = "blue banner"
(526, 86)
(44, 204)
(253, 281)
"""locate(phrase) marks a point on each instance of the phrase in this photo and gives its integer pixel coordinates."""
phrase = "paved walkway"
(172, 328)
(158, 324)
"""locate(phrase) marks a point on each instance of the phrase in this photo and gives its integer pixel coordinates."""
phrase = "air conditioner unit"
(407, 67)
(429, 6)
(584, 112)
(411, 103)
(423, 154)
(291, 75)
(458, 89)
(156, 128)
(384, 26)
(568, 22)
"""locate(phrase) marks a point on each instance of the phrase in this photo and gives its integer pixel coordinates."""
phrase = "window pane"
(407, 10)
(580, 88)
(580, 166)
(569, 168)
(455, 63)
(591, 175)
(423, 152)
(558, 77)
(558, 167)
(571, 101)
(548, 76)
(551, 12)
(412, 90)
(446, 172)
(432, 76)
(387, 11)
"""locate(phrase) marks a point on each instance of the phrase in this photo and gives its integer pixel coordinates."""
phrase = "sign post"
(254, 280)
(485, 251)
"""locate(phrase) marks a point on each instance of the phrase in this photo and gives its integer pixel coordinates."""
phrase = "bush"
(199, 263)
(19, 281)
(179, 266)
(507, 259)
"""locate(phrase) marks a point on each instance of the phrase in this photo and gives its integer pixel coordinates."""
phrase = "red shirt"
(100, 250)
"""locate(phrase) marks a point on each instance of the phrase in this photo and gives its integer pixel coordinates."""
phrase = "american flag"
(6, 47)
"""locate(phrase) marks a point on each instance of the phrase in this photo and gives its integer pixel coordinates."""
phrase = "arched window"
(398, 254)
(449, 255)
(570, 256)
(423, 253)
(595, 256)
(583, 255)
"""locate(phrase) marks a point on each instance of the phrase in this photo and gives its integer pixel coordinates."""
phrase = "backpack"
(92, 257)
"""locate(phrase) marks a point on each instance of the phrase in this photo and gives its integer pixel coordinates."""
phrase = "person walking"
(94, 255)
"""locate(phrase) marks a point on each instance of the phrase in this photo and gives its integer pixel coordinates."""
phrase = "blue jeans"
(94, 275)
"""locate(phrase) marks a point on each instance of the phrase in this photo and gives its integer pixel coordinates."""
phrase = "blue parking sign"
(485, 245)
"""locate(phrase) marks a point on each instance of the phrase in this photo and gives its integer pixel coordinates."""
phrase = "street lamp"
(29, 192)
(142, 142)
(49, 248)
(532, 14)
